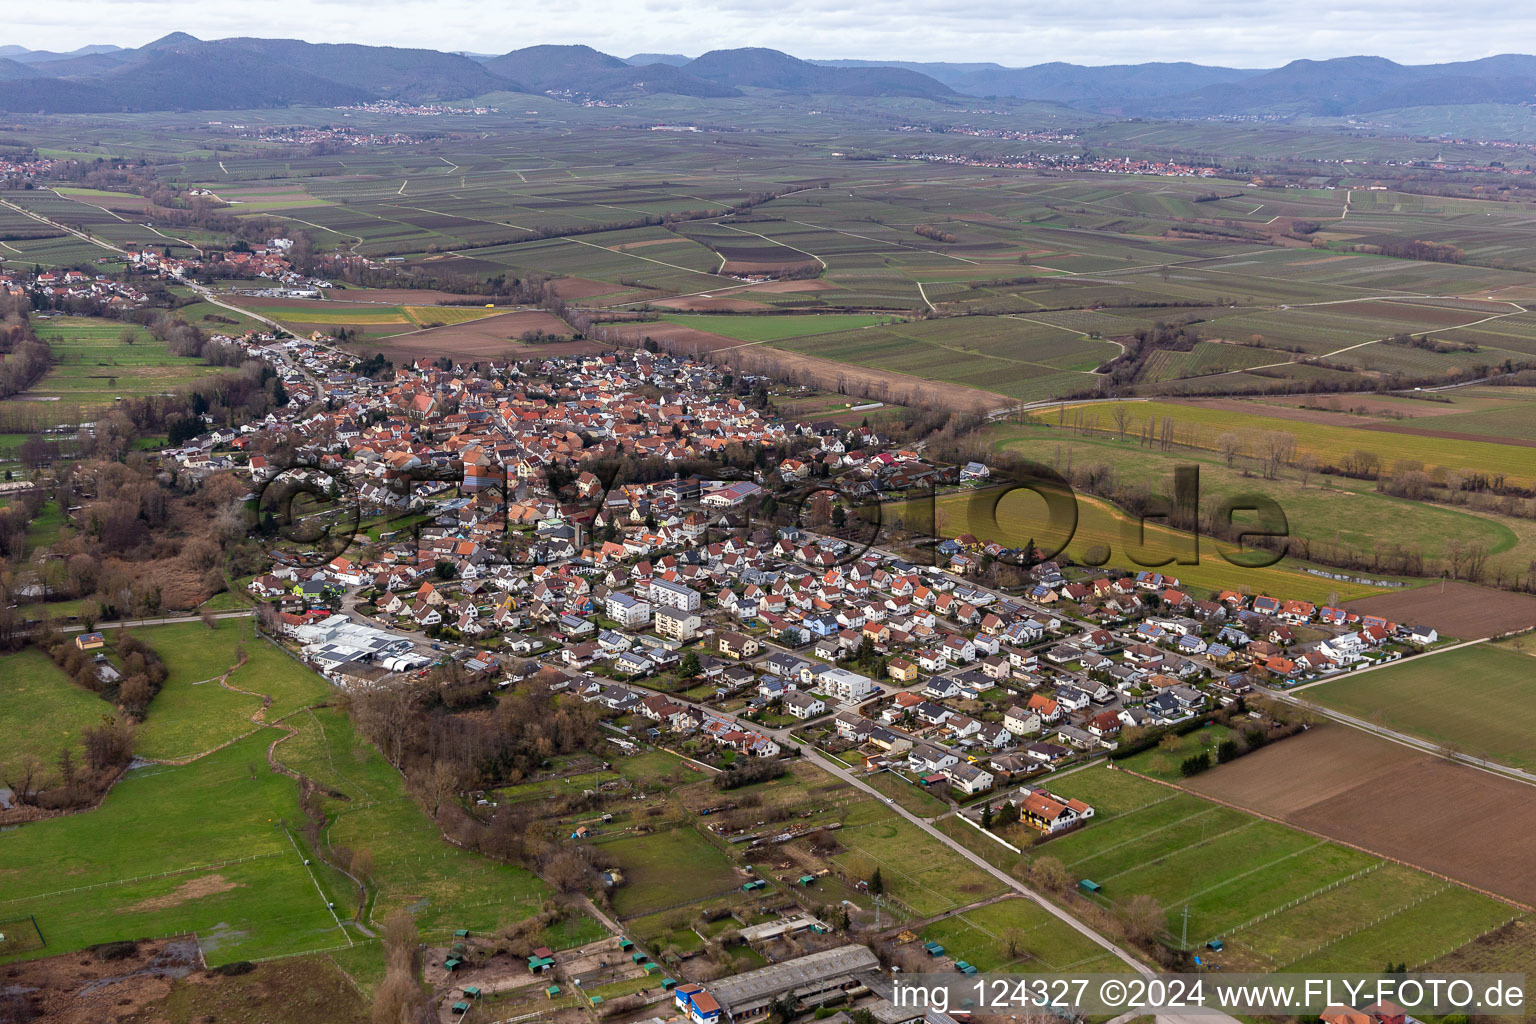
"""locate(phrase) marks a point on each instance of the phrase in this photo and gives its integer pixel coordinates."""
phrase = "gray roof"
(816, 970)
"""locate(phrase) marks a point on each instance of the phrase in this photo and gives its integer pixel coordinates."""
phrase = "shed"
(624, 943)
(807, 879)
(453, 963)
(1214, 944)
(639, 958)
(471, 992)
(1089, 885)
(552, 991)
(460, 1007)
(462, 933)
(668, 984)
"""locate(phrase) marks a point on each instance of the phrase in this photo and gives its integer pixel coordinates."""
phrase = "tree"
(1231, 446)
(1050, 874)
(398, 999)
(1145, 918)
(445, 570)
(1226, 751)
(689, 668)
(876, 883)
(1195, 765)
(986, 817)
(1013, 942)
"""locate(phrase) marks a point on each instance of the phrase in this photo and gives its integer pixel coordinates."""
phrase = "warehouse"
(812, 980)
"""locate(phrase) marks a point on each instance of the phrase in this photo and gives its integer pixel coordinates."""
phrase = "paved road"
(837, 770)
(168, 621)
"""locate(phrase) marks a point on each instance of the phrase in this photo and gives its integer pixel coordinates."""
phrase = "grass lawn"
(1163, 763)
(1480, 699)
(444, 887)
(775, 328)
(1103, 534)
(1046, 943)
(94, 363)
(1277, 897)
(909, 795)
(42, 712)
(1200, 426)
(652, 876)
(84, 876)
(575, 929)
(917, 869)
(43, 530)
(295, 988)
(192, 712)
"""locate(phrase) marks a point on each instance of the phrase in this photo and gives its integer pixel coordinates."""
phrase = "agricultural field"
(1009, 356)
(1280, 899)
(208, 701)
(775, 328)
(1200, 425)
(1327, 515)
(1104, 535)
(95, 363)
(1390, 800)
(41, 713)
(981, 936)
(1479, 700)
(203, 847)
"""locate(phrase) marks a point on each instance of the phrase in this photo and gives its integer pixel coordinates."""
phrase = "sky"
(1239, 33)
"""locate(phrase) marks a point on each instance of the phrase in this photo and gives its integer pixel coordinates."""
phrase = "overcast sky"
(1243, 33)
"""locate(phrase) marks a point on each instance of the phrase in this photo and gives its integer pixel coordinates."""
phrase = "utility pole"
(1184, 935)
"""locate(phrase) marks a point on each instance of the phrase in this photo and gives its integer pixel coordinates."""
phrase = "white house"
(803, 705)
(1021, 721)
(970, 778)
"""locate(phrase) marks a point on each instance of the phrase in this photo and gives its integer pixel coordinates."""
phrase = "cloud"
(1258, 33)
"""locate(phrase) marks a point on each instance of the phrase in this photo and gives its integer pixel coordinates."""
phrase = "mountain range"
(180, 71)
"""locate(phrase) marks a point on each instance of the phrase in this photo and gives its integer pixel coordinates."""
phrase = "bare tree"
(1122, 416)
(1145, 918)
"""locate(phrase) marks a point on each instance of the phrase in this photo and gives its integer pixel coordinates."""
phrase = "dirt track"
(1465, 824)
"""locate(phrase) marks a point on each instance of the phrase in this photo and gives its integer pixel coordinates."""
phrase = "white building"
(627, 610)
(665, 594)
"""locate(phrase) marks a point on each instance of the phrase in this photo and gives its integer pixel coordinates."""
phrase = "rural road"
(838, 771)
(1402, 738)
(173, 620)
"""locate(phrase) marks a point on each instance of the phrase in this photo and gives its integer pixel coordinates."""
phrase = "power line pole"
(1184, 935)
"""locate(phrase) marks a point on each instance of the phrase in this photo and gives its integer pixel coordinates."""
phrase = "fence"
(1282, 908)
(989, 834)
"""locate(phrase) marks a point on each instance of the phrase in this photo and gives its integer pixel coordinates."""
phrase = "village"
(691, 612)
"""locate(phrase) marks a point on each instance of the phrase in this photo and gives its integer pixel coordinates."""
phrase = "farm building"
(813, 980)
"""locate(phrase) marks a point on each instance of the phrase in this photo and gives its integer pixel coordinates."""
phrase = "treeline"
(24, 358)
(1403, 249)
